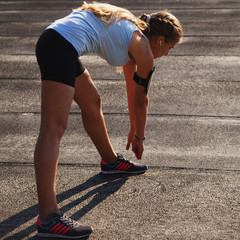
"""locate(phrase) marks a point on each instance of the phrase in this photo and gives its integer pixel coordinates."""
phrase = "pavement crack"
(94, 165)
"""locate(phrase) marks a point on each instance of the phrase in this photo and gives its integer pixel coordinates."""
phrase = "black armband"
(145, 82)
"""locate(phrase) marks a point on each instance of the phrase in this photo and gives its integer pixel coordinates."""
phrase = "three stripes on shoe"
(58, 228)
(123, 166)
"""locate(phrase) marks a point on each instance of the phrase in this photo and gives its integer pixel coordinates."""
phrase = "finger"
(139, 155)
(135, 150)
(136, 154)
(128, 146)
(140, 152)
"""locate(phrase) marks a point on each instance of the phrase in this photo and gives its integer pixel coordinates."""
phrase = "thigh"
(56, 99)
(86, 94)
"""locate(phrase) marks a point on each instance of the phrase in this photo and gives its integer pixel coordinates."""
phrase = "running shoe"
(121, 165)
(61, 226)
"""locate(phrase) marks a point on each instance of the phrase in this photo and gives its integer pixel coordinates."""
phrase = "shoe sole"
(117, 172)
(48, 235)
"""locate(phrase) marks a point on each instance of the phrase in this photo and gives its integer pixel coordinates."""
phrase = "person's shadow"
(104, 187)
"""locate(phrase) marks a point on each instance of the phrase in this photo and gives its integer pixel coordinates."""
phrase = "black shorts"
(57, 58)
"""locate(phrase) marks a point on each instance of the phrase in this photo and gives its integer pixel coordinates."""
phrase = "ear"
(160, 38)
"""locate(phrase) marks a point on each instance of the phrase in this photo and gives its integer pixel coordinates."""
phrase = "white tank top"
(88, 33)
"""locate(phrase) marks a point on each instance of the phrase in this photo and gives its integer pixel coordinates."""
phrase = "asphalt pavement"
(191, 189)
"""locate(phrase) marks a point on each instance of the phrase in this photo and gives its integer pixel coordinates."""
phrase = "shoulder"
(140, 51)
(139, 45)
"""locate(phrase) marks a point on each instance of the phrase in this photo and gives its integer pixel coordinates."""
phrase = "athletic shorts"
(57, 58)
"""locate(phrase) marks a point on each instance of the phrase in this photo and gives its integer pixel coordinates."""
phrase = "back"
(88, 33)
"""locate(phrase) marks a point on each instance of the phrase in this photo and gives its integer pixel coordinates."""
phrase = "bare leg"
(89, 101)
(56, 103)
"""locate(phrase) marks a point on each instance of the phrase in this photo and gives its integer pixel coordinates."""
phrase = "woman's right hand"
(130, 138)
(137, 148)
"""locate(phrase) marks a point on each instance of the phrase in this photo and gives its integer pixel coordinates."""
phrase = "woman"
(122, 40)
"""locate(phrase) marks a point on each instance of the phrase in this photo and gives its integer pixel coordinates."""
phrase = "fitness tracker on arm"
(146, 82)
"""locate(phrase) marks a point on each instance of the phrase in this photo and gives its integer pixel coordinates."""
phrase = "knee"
(93, 106)
(98, 101)
(96, 105)
(54, 129)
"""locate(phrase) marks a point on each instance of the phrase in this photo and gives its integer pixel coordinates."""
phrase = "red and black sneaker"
(121, 165)
(61, 226)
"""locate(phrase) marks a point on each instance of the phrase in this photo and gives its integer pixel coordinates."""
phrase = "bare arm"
(137, 99)
(129, 70)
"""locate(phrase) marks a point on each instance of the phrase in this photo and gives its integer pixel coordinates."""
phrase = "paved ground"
(191, 190)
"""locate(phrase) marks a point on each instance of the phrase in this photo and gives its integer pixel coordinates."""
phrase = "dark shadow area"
(104, 187)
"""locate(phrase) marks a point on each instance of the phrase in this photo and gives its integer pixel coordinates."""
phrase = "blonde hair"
(110, 13)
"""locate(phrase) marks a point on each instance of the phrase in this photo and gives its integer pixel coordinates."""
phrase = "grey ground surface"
(191, 190)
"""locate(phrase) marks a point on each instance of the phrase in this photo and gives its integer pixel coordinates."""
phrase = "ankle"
(47, 217)
(110, 159)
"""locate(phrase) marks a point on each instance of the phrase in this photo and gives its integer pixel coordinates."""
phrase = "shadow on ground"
(103, 186)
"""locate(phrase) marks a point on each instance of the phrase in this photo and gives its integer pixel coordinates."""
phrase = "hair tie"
(148, 18)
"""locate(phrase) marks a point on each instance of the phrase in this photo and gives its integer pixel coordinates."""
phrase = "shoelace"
(123, 159)
(68, 221)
